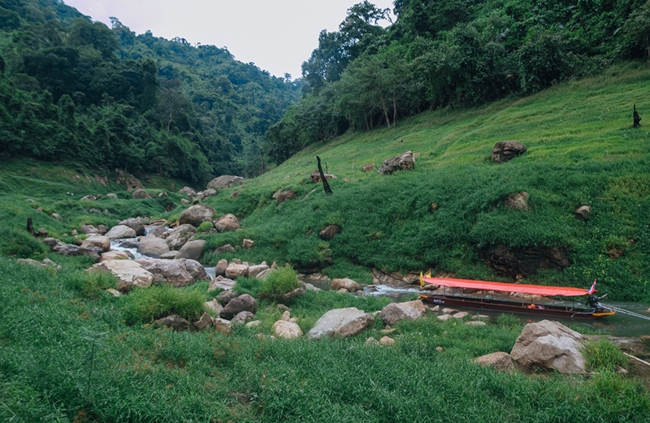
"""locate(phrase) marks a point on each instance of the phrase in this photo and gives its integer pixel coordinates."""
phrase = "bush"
(602, 355)
(91, 285)
(278, 283)
(146, 305)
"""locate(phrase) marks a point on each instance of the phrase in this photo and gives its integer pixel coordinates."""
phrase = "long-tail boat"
(535, 299)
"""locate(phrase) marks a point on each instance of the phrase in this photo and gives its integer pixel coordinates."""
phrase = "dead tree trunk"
(30, 227)
(326, 186)
(636, 118)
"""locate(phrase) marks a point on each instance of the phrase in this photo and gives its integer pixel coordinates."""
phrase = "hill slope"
(582, 150)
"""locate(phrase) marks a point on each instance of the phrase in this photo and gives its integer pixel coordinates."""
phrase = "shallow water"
(619, 324)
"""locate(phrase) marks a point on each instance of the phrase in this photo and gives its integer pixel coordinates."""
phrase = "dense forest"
(74, 91)
(446, 53)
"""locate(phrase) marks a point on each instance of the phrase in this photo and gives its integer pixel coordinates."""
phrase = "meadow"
(71, 352)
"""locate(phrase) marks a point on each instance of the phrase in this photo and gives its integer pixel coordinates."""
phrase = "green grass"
(64, 356)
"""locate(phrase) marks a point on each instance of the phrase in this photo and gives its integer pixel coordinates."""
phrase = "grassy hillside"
(582, 150)
(71, 352)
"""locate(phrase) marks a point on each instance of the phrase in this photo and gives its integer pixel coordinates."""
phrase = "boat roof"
(549, 291)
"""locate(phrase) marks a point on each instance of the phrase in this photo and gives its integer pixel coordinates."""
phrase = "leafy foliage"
(278, 283)
(146, 305)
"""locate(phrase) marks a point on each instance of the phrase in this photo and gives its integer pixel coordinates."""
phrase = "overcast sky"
(276, 35)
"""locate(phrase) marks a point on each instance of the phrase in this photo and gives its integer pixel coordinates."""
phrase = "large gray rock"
(120, 232)
(136, 224)
(234, 270)
(100, 241)
(344, 322)
(500, 361)
(192, 250)
(187, 191)
(347, 284)
(225, 181)
(235, 306)
(227, 223)
(140, 194)
(255, 270)
(220, 282)
(89, 229)
(129, 273)
(220, 268)
(180, 235)
(395, 312)
(518, 201)
(286, 329)
(507, 150)
(75, 250)
(153, 246)
(174, 322)
(196, 215)
(405, 161)
(549, 345)
(174, 272)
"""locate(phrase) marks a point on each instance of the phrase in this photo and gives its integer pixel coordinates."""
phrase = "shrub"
(602, 355)
(91, 285)
(20, 244)
(204, 227)
(146, 305)
(278, 283)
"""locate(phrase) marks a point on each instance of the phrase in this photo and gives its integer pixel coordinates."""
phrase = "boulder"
(227, 248)
(187, 191)
(347, 284)
(285, 195)
(227, 223)
(213, 305)
(501, 361)
(255, 270)
(225, 181)
(134, 223)
(115, 255)
(210, 192)
(344, 322)
(89, 229)
(192, 250)
(518, 201)
(129, 273)
(315, 176)
(52, 243)
(220, 282)
(476, 323)
(204, 322)
(328, 233)
(235, 306)
(157, 230)
(121, 232)
(460, 315)
(75, 250)
(264, 273)
(174, 322)
(368, 167)
(582, 212)
(405, 161)
(507, 150)
(248, 244)
(100, 241)
(549, 345)
(291, 295)
(234, 270)
(88, 198)
(178, 273)
(112, 196)
(172, 255)
(386, 341)
(394, 312)
(44, 263)
(222, 326)
(179, 236)
(242, 317)
(196, 215)
(286, 329)
(445, 317)
(225, 297)
(140, 194)
(220, 268)
(185, 201)
(153, 246)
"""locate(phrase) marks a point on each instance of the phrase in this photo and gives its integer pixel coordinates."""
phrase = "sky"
(276, 35)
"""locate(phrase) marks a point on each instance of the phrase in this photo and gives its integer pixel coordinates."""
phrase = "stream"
(618, 325)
